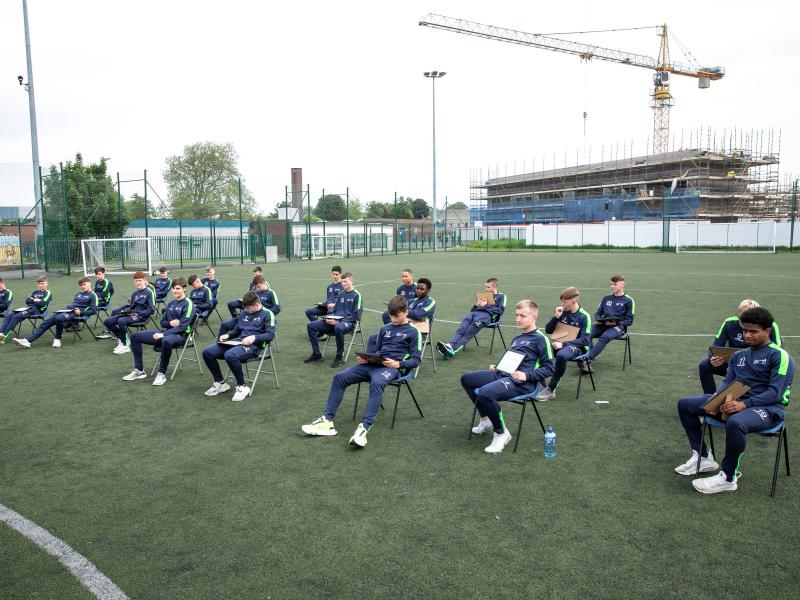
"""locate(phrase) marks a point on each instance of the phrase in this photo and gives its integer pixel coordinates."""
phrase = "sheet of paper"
(510, 361)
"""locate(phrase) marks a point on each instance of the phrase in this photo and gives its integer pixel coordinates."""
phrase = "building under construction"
(699, 183)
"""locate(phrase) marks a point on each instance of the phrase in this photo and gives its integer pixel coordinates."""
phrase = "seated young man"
(6, 297)
(421, 308)
(407, 289)
(176, 322)
(768, 370)
(83, 305)
(494, 386)
(254, 328)
(340, 320)
(333, 289)
(730, 334)
(201, 297)
(568, 312)
(212, 283)
(36, 304)
(234, 306)
(104, 290)
(480, 315)
(400, 345)
(163, 284)
(140, 307)
(267, 298)
(613, 317)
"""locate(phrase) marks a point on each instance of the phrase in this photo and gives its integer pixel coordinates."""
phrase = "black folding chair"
(495, 327)
(263, 355)
(584, 368)
(427, 341)
(399, 383)
(521, 400)
(355, 331)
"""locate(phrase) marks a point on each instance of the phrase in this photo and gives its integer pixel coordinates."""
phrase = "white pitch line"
(81, 567)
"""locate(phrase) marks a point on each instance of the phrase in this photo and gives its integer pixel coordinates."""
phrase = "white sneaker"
(715, 484)
(217, 388)
(545, 395)
(121, 349)
(321, 426)
(134, 375)
(707, 465)
(359, 437)
(104, 336)
(499, 441)
(242, 391)
(56, 343)
(160, 379)
(482, 427)
(22, 342)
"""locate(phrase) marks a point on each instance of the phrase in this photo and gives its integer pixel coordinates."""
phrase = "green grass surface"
(175, 495)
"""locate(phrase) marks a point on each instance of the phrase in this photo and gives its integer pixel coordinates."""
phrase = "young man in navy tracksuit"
(201, 296)
(421, 308)
(333, 289)
(163, 284)
(212, 283)
(407, 290)
(37, 304)
(494, 386)
(730, 334)
(176, 321)
(6, 297)
(613, 317)
(481, 315)
(83, 305)
(255, 328)
(234, 306)
(568, 312)
(768, 370)
(140, 307)
(267, 297)
(400, 345)
(104, 290)
(348, 307)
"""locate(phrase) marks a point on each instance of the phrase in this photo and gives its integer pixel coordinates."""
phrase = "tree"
(420, 209)
(134, 208)
(356, 210)
(378, 210)
(279, 212)
(203, 183)
(331, 207)
(404, 210)
(91, 201)
(457, 206)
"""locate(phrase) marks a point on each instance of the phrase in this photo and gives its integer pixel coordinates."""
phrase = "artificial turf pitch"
(175, 495)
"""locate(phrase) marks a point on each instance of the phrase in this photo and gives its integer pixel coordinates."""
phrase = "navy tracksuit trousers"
(233, 355)
(377, 376)
(167, 344)
(493, 388)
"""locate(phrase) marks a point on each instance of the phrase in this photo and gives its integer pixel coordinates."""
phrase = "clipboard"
(321, 305)
(610, 321)
(65, 310)
(333, 317)
(509, 362)
(724, 351)
(231, 343)
(733, 391)
(373, 359)
(423, 326)
(23, 309)
(488, 296)
(564, 333)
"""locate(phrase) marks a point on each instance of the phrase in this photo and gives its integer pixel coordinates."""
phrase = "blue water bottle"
(549, 443)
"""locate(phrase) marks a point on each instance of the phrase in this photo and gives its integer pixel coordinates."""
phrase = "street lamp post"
(37, 191)
(433, 76)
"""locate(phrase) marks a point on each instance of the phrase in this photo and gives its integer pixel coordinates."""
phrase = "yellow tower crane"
(661, 98)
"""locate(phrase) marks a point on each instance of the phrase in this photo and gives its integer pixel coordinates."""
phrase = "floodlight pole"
(433, 76)
(37, 187)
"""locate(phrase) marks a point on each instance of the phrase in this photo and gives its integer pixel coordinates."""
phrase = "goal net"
(119, 256)
(324, 246)
(756, 237)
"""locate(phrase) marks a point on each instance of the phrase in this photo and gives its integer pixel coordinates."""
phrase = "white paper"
(510, 361)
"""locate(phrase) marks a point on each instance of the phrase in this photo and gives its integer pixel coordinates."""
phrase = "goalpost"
(327, 246)
(120, 256)
(752, 238)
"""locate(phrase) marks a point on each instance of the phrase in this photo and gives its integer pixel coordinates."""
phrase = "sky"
(338, 88)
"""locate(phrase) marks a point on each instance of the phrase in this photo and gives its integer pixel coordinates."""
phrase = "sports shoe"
(160, 379)
(545, 395)
(134, 375)
(359, 437)
(337, 362)
(121, 349)
(313, 358)
(217, 388)
(104, 336)
(482, 427)
(586, 368)
(319, 426)
(22, 342)
(322, 337)
(707, 465)
(499, 441)
(715, 484)
(2, 337)
(56, 343)
(582, 357)
(445, 349)
(242, 391)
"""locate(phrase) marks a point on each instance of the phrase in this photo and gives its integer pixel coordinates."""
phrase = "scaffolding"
(719, 178)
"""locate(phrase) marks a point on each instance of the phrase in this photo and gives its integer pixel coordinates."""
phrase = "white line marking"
(92, 579)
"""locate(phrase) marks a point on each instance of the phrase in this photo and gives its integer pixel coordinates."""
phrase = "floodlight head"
(427, 74)
(19, 78)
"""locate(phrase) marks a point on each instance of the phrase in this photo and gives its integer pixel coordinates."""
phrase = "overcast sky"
(337, 88)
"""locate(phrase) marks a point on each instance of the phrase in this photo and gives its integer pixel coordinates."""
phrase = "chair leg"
(472, 420)
(786, 449)
(414, 398)
(777, 463)
(502, 339)
(491, 345)
(396, 402)
(536, 410)
(630, 354)
(580, 378)
(355, 406)
(519, 427)
(700, 453)
(274, 369)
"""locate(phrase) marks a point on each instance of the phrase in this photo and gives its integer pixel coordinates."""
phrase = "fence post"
(366, 238)
(180, 242)
(241, 222)
(396, 230)
(794, 216)
(44, 231)
(21, 249)
(347, 219)
(146, 221)
(383, 243)
(66, 220)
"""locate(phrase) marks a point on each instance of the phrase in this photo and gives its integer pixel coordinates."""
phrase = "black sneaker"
(313, 358)
(337, 362)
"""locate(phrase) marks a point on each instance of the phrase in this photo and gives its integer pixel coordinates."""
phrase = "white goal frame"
(323, 239)
(149, 250)
(689, 233)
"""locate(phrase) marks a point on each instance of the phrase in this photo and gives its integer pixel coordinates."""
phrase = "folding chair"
(626, 353)
(100, 309)
(352, 334)
(202, 319)
(188, 343)
(265, 353)
(426, 341)
(584, 368)
(521, 400)
(779, 430)
(399, 383)
(32, 320)
(216, 310)
(74, 326)
(495, 327)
